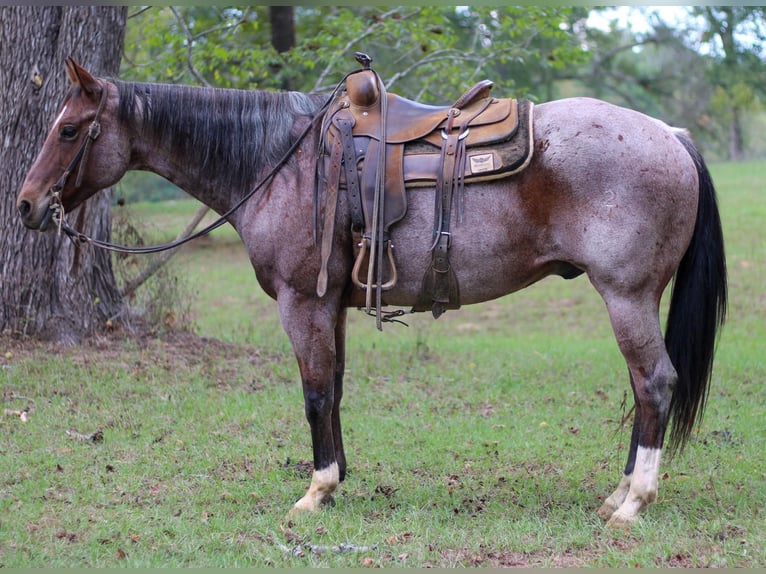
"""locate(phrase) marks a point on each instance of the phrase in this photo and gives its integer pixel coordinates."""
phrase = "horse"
(610, 193)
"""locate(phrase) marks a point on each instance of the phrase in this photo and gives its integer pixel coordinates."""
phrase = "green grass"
(486, 438)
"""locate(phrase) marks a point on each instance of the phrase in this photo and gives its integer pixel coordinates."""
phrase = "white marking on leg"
(323, 483)
(643, 486)
(646, 474)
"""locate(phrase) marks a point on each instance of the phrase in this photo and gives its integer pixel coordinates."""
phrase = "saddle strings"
(377, 240)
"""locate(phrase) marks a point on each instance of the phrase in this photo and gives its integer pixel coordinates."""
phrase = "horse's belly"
(490, 254)
(479, 279)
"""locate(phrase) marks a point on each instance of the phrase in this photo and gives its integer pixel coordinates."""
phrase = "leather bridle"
(81, 157)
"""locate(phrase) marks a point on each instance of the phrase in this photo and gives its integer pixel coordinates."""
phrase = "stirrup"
(358, 265)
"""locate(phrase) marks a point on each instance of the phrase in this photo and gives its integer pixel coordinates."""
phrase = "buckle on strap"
(94, 130)
(461, 136)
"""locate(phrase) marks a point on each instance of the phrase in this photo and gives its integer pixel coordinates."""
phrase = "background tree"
(652, 71)
(48, 288)
(735, 36)
(702, 70)
(429, 53)
(282, 35)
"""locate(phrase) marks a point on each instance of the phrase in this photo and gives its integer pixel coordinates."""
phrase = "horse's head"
(85, 151)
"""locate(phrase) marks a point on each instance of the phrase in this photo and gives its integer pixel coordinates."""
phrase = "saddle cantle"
(478, 138)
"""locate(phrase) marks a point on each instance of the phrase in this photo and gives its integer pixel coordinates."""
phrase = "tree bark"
(736, 140)
(282, 19)
(282, 27)
(49, 289)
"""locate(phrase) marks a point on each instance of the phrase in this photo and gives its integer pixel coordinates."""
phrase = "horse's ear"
(79, 76)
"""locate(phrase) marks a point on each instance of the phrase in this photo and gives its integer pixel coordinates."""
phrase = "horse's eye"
(68, 132)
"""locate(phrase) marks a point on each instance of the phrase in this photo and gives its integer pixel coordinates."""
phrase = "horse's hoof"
(606, 511)
(620, 522)
(304, 507)
(300, 510)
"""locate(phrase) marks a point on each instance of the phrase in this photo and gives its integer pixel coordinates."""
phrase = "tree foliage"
(704, 72)
(735, 35)
(431, 53)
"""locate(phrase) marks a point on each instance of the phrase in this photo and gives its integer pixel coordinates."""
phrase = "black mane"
(226, 134)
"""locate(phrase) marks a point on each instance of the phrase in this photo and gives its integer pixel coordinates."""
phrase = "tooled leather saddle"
(377, 145)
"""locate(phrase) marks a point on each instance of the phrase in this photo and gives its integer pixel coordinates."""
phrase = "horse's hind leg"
(652, 377)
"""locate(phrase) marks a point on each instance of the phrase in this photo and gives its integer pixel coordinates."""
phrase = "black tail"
(697, 309)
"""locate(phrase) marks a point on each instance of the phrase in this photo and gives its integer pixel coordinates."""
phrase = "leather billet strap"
(331, 203)
(345, 125)
(439, 290)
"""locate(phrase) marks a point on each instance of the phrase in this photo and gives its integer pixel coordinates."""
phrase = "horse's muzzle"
(38, 219)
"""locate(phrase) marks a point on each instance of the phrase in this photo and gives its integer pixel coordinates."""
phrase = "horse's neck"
(216, 144)
(194, 137)
(152, 156)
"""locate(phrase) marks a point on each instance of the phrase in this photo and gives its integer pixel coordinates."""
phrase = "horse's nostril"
(24, 208)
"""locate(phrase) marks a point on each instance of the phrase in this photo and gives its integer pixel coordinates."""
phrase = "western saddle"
(478, 138)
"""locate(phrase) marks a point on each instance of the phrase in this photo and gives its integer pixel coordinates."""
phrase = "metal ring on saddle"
(462, 136)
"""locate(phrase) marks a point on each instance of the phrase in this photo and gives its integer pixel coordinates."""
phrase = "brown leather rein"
(81, 157)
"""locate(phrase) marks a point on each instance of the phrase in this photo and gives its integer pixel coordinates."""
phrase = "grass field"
(487, 438)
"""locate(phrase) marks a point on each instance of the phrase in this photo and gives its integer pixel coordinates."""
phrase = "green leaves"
(680, 71)
(431, 53)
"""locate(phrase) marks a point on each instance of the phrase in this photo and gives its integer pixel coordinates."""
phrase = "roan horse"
(611, 193)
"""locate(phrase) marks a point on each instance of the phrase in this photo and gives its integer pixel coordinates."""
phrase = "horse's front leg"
(311, 324)
(340, 369)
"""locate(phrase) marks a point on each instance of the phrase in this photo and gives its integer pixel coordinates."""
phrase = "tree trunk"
(736, 141)
(282, 27)
(282, 19)
(49, 289)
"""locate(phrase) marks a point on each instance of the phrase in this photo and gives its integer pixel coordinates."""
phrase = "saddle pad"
(484, 162)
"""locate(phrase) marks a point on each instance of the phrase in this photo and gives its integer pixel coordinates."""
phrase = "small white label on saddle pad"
(481, 163)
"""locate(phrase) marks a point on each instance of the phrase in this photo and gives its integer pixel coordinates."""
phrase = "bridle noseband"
(81, 157)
